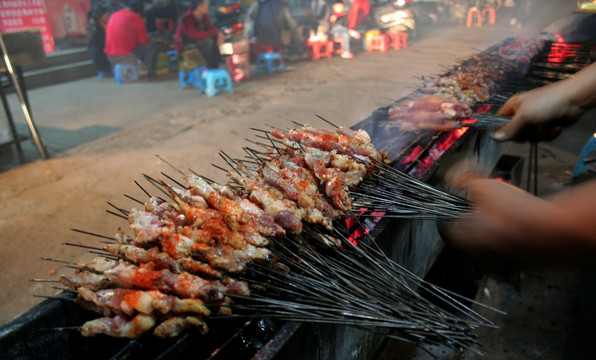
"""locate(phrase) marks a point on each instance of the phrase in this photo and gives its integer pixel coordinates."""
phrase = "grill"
(46, 331)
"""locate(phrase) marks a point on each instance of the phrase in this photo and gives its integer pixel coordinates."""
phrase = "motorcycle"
(394, 15)
(228, 17)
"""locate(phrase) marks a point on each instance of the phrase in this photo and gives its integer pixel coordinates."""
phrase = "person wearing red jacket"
(195, 30)
(126, 34)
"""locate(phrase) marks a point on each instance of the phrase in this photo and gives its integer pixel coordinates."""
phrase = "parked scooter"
(394, 15)
(227, 16)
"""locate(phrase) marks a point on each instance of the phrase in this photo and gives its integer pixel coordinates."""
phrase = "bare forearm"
(581, 88)
(576, 220)
(511, 223)
(542, 113)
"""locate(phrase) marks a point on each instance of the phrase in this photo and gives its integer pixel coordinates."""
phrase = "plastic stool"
(267, 48)
(216, 79)
(126, 72)
(491, 15)
(339, 41)
(580, 167)
(378, 42)
(269, 62)
(318, 49)
(471, 12)
(398, 39)
(192, 77)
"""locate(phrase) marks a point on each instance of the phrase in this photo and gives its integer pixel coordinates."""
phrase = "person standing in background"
(506, 12)
(520, 13)
(97, 21)
(275, 25)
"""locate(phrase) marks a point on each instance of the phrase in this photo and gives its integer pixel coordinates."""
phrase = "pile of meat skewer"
(187, 257)
(447, 102)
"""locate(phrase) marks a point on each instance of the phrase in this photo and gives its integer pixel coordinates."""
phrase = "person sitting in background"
(126, 35)
(275, 25)
(161, 10)
(510, 226)
(321, 13)
(97, 21)
(339, 27)
(194, 30)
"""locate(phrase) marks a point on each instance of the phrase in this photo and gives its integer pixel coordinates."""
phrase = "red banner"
(19, 15)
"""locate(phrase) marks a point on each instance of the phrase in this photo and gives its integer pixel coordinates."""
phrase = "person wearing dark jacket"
(161, 10)
(273, 18)
(97, 21)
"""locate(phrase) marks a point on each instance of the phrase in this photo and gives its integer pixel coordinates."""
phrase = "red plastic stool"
(471, 13)
(238, 66)
(378, 42)
(338, 45)
(491, 15)
(318, 49)
(266, 48)
(398, 39)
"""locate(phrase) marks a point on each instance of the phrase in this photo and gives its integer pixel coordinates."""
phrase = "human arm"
(510, 224)
(324, 13)
(291, 23)
(541, 114)
(140, 30)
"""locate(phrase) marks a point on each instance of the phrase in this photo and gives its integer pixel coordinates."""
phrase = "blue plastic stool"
(125, 72)
(192, 77)
(269, 62)
(216, 79)
(580, 167)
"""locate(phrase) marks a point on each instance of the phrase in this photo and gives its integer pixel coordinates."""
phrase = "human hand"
(355, 34)
(537, 115)
(505, 225)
